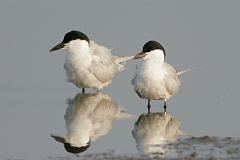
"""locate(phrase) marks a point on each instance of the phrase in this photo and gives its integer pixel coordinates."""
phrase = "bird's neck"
(78, 139)
(155, 56)
(79, 132)
(78, 47)
(79, 54)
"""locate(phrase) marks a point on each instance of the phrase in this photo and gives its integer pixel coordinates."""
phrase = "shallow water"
(94, 126)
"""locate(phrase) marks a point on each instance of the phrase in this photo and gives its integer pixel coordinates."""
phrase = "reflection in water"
(88, 117)
(154, 131)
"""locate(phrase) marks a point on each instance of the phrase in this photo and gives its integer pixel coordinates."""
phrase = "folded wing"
(172, 81)
(103, 65)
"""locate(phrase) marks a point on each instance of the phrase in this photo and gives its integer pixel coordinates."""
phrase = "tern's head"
(72, 40)
(150, 49)
(69, 147)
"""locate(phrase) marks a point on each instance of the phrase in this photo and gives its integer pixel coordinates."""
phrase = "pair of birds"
(89, 65)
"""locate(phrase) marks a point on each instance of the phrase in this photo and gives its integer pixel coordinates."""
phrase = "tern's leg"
(97, 90)
(149, 106)
(83, 90)
(165, 106)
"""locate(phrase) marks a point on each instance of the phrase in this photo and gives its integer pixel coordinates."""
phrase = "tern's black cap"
(69, 147)
(73, 35)
(153, 45)
(75, 150)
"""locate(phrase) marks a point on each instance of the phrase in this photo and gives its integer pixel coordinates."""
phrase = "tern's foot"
(83, 90)
(98, 90)
(149, 107)
(149, 110)
(165, 107)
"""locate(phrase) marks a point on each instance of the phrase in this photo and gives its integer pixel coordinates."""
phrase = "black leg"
(165, 106)
(149, 106)
(83, 90)
(97, 90)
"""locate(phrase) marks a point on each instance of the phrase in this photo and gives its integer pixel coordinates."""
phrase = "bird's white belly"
(149, 83)
(78, 73)
(151, 89)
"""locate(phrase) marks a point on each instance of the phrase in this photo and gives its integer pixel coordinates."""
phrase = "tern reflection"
(154, 131)
(88, 117)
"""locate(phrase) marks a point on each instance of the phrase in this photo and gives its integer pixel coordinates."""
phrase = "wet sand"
(190, 148)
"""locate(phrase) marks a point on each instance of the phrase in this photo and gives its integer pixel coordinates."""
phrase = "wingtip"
(184, 71)
(123, 59)
(185, 134)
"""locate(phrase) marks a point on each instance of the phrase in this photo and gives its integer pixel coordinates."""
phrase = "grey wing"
(172, 81)
(70, 112)
(133, 81)
(103, 65)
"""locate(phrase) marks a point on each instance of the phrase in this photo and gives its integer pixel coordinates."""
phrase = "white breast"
(77, 62)
(149, 79)
(151, 67)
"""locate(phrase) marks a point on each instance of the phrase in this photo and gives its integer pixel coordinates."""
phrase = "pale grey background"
(33, 89)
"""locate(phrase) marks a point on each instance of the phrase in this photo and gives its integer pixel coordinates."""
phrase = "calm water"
(95, 122)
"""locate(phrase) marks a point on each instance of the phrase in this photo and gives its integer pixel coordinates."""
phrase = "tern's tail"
(124, 115)
(185, 134)
(184, 71)
(121, 61)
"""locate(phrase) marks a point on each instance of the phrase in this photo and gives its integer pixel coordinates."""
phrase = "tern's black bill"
(57, 47)
(140, 55)
(58, 138)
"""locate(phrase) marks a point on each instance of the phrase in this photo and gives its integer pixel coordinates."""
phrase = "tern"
(155, 79)
(88, 64)
(154, 131)
(89, 117)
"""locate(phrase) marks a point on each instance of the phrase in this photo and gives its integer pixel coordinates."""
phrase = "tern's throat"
(155, 56)
(78, 47)
(79, 54)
